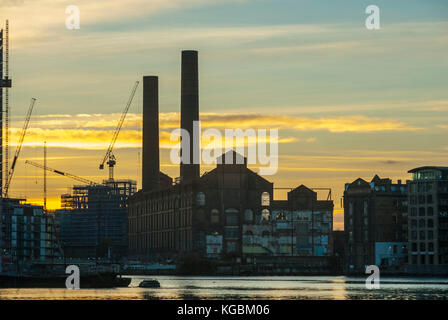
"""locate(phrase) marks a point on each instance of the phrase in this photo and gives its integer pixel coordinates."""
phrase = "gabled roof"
(359, 182)
(302, 188)
(231, 157)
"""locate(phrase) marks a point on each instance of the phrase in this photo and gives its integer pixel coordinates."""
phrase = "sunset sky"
(348, 102)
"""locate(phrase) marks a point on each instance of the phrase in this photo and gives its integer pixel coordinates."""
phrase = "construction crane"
(19, 147)
(7, 111)
(109, 157)
(5, 82)
(62, 173)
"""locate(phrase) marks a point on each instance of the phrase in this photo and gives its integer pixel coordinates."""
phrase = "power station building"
(215, 214)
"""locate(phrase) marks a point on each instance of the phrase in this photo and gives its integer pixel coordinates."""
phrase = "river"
(289, 288)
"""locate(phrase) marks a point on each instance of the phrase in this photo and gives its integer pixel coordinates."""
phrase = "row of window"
(421, 199)
(161, 204)
(162, 240)
(160, 221)
(422, 223)
(422, 211)
(422, 247)
(422, 235)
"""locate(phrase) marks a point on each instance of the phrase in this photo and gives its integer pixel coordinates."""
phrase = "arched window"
(248, 215)
(214, 216)
(232, 217)
(200, 199)
(265, 215)
(265, 199)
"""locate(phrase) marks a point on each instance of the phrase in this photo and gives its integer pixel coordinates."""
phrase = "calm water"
(339, 288)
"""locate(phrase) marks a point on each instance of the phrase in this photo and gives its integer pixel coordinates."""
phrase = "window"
(430, 223)
(429, 198)
(414, 247)
(231, 232)
(421, 211)
(231, 220)
(430, 211)
(421, 187)
(200, 199)
(421, 223)
(248, 215)
(421, 199)
(265, 199)
(413, 212)
(265, 215)
(422, 235)
(214, 216)
(414, 224)
(431, 246)
(422, 246)
(430, 235)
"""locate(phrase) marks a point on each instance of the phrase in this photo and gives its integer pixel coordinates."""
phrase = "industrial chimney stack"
(190, 111)
(151, 161)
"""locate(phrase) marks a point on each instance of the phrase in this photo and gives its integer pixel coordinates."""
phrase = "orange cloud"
(94, 131)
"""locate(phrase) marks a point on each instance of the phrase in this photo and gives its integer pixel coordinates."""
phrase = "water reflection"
(241, 288)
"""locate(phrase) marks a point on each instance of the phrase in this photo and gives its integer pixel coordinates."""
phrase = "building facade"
(428, 219)
(300, 226)
(27, 235)
(375, 222)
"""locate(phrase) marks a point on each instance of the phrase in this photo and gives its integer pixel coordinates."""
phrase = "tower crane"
(5, 82)
(19, 147)
(62, 173)
(7, 110)
(109, 157)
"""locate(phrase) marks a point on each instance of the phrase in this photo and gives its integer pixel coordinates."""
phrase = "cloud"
(391, 162)
(338, 124)
(94, 131)
(36, 20)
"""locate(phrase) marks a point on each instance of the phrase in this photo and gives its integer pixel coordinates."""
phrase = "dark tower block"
(190, 112)
(151, 162)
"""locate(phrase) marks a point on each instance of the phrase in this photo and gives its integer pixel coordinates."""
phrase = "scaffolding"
(93, 219)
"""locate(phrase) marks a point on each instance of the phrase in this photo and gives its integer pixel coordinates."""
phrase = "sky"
(348, 102)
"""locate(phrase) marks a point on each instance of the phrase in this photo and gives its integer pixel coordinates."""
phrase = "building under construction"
(93, 221)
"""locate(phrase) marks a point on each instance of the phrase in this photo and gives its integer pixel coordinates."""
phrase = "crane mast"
(6, 83)
(109, 157)
(7, 111)
(19, 147)
(62, 173)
